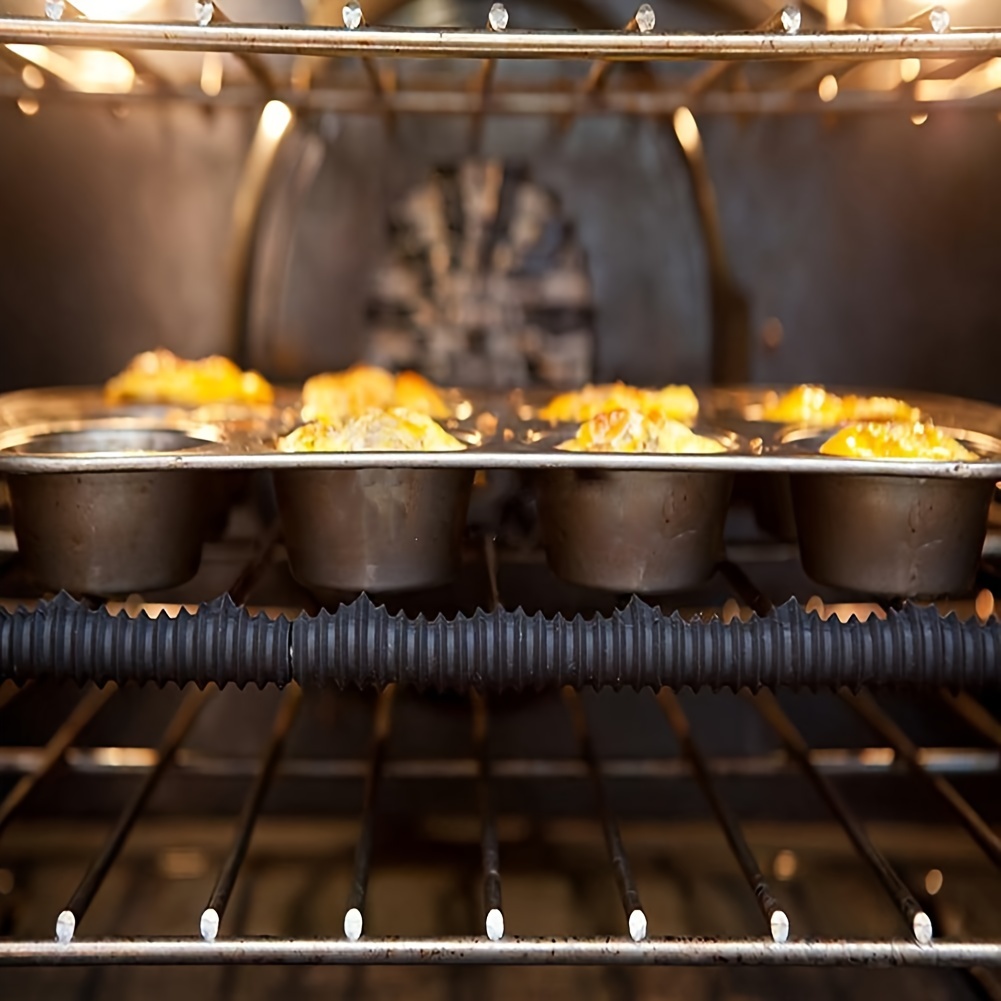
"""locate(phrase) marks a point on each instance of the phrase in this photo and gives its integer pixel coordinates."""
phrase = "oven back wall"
(874, 243)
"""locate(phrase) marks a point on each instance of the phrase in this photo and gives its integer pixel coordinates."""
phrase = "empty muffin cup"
(109, 533)
(633, 531)
(373, 529)
(892, 536)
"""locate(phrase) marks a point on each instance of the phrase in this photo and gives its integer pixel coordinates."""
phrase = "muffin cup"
(373, 529)
(633, 531)
(893, 536)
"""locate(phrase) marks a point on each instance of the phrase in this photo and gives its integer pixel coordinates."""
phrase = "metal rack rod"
(354, 914)
(492, 906)
(745, 589)
(829, 761)
(354, 18)
(9, 691)
(84, 711)
(776, 918)
(644, 20)
(423, 100)
(917, 920)
(213, 914)
(933, 19)
(83, 896)
(257, 67)
(522, 952)
(981, 832)
(635, 915)
(429, 43)
(142, 66)
(787, 20)
(973, 713)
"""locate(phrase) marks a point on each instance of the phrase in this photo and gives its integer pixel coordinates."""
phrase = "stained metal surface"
(114, 533)
(248, 444)
(897, 536)
(483, 44)
(633, 532)
(377, 529)
(525, 952)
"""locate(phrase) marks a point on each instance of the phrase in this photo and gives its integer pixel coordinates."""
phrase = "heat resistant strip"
(363, 645)
(221, 642)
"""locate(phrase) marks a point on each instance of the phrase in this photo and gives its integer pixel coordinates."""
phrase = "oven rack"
(960, 64)
(364, 645)
(776, 943)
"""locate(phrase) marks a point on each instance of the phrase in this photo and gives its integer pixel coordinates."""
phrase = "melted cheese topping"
(395, 430)
(815, 405)
(897, 441)
(161, 377)
(630, 431)
(676, 402)
(336, 396)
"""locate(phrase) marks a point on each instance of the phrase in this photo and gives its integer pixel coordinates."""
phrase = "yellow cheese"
(395, 430)
(897, 441)
(677, 402)
(630, 431)
(815, 405)
(336, 396)
(161, 377)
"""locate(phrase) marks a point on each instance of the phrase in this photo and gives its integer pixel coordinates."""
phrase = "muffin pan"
(390, 520)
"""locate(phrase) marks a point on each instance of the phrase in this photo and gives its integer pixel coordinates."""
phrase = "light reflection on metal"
(687, 131)
(86, 70)
(275, 121)
(212, 74)
(827, 89)
(974, 83)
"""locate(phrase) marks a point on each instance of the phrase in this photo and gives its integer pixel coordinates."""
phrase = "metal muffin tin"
(249, 445)
(593, 505)
(112, 533)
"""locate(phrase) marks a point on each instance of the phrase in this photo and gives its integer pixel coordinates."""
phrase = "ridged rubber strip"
(63, 639)
(362, 645)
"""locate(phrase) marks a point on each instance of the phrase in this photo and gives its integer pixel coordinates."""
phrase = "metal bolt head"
(54, 9)
(498, 17)
(646, 19)
(791, 19)
(352, 16)
(204, 12)
(939, 19)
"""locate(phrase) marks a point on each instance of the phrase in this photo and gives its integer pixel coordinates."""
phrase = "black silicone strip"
(363, 645)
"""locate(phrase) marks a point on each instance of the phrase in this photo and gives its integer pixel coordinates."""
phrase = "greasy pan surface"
(248, 444)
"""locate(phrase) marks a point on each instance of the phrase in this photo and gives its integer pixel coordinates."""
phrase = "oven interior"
(365, 840)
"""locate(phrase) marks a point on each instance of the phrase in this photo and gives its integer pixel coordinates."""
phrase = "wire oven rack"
(939, 771)
(775, 942)
(959, 63)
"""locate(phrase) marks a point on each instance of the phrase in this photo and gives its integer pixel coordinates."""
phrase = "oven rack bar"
(421, 99)
(353, 949)
(508, 952)
(364, 645)
(836, 762)
(484, 43)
